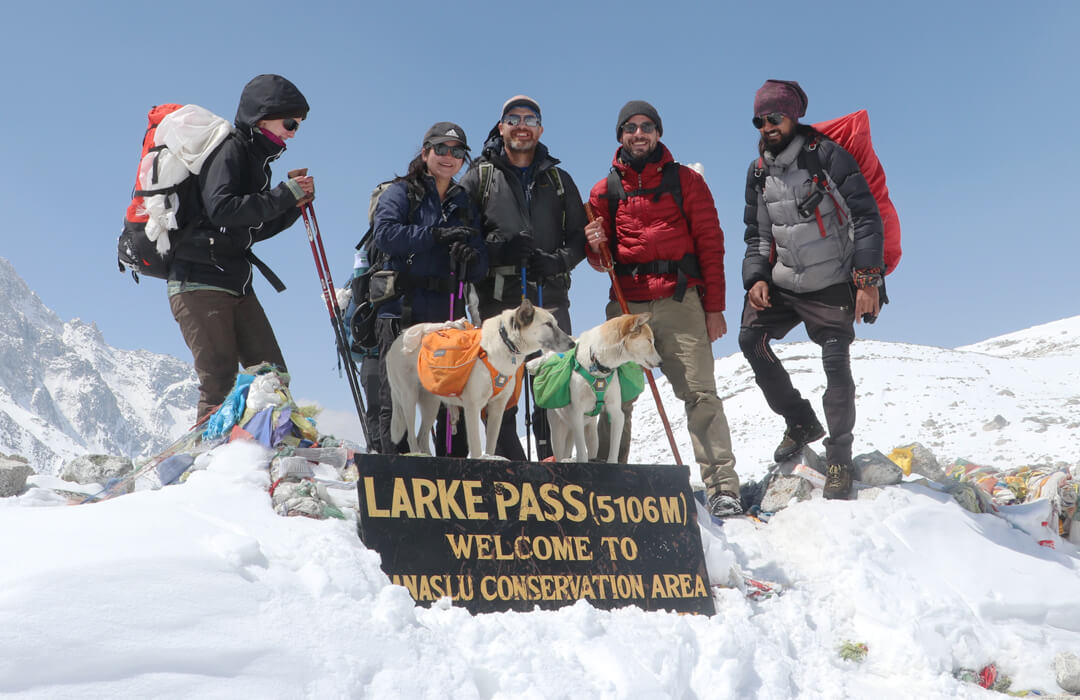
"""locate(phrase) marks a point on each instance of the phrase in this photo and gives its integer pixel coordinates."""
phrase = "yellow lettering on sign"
(506, 495)
(400, 502)
(530, 506)
(575, 503)
(448, 498)
(472, 500)
(373, 511)
(424, 494)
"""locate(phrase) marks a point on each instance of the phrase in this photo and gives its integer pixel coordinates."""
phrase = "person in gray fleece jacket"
(814, 249)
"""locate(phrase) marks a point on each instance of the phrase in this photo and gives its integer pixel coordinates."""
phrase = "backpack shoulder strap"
(560, 191)
(810, 160)
(487, 171)
(670, 181)
(615, 193)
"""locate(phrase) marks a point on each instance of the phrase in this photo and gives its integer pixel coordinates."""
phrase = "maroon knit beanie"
(783, 96)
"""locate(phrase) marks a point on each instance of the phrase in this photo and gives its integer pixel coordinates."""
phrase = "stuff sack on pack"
(177, 142)
(852, 132)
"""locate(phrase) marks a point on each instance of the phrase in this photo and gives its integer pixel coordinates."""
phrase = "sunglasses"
(646, 127)
(290, 124)
(515, 119)
(441, 149)
(774, 118)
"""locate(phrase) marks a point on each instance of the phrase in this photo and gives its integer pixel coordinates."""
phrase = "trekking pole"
(528, 380)
(608, 264)
(318, 252)
(449, 436)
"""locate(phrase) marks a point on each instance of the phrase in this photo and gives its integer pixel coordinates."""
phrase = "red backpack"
(852, 133)
(134, 251)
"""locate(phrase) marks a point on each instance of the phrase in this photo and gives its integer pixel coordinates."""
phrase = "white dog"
(506, 339)
(600, 352)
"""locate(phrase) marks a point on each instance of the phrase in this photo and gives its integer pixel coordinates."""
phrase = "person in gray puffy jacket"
(813, 256)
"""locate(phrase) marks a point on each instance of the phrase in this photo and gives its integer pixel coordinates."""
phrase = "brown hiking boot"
(797, 437)
(837, 481)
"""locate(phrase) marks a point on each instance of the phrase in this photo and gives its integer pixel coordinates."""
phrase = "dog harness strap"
(498, 380)
(599, 386)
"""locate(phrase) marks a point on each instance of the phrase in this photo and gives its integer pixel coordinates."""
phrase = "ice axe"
(607, 263)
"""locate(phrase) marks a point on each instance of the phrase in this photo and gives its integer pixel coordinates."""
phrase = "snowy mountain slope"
(65, 392)
(946, 399)
(200, 590)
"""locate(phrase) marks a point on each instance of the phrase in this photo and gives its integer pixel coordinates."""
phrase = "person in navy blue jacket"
(427, 226)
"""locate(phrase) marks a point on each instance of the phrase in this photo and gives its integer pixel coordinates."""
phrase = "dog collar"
(507, 342)
(597, 368)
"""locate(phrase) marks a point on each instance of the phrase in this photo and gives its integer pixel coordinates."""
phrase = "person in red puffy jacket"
(659, 222)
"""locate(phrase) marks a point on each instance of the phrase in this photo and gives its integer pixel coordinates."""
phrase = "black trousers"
(372, 383)
(829, 317)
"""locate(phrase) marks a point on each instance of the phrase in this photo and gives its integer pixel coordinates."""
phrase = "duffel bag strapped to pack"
(177, 142)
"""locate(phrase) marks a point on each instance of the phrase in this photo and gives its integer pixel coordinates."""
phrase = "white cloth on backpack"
(190, 135)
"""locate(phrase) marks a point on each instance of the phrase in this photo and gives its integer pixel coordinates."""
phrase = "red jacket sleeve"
(707, 235)
(599, 209)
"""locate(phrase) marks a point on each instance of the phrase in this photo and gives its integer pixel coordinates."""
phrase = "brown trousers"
(223, 332)
(687, 363)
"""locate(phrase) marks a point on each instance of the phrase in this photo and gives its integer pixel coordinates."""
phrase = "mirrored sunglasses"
(515, 119)
(441, 149)
(646, 127)
(774, 118)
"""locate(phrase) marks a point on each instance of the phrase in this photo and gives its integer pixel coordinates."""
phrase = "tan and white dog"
(507, 339)
(600, 351)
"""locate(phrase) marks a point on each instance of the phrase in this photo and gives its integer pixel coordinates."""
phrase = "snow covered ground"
(201, 591)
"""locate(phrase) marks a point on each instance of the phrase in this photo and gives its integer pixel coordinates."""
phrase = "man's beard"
(778, 147)
(519, 146)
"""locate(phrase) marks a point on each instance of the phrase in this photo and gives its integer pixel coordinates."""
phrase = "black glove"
(462, 252)
(543, 265)
(519, 247)
(451, 234)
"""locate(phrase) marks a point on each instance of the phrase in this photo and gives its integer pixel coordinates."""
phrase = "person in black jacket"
(533, 220)
(210, 290)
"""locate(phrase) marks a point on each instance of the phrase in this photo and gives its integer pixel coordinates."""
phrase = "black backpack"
(376, 285)
(670, 183)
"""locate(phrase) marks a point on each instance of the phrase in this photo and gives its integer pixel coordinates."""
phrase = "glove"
(462, 252)
(543, 265)
(452, 234)
(519, 247)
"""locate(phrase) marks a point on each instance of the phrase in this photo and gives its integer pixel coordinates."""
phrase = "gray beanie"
(637, 107)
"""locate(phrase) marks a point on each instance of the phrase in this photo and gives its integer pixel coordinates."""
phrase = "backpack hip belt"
(686, 267)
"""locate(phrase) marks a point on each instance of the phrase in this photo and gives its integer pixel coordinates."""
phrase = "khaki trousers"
(683, 344)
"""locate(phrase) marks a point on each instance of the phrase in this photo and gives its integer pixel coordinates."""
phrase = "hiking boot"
(724, 505)
(797, 437)
(837, 481)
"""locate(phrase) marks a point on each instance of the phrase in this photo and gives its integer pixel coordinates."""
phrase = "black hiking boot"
(725, 504)
(797, 437)
(837, 481)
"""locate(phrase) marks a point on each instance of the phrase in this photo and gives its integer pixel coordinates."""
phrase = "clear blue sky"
(972, 106)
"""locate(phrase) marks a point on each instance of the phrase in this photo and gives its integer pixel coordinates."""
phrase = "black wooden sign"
(497, 536)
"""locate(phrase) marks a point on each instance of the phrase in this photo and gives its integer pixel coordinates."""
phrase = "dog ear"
(524, 314)
(642, 319)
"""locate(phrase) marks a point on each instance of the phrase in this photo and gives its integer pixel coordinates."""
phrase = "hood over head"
(270, 96)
